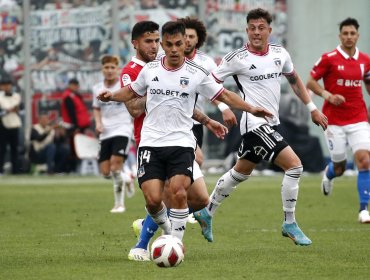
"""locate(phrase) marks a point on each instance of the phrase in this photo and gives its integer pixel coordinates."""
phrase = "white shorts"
(357, 136)
(197, 172)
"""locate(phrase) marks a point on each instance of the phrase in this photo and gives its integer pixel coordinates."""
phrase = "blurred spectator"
(76, 118)
(48, 145)
(75, 115)
(10, 123)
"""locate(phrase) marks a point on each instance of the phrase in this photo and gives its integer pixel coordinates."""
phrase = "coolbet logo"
(164, 92)
(168, 92)
(265, 76)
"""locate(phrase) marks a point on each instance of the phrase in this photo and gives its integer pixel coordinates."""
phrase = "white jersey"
(115, 118)
(258, 78)
(171, 96)
(209, 64)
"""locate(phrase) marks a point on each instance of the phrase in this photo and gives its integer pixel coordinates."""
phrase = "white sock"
(289, 192)
(117, 188)
(161, 219)
(224, 187)
(178, 218)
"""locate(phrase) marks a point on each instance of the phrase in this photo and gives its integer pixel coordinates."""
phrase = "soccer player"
(166, 149)
(114, 126)
(145, 39)
(343, 71)
(196, 35)
(257, 69)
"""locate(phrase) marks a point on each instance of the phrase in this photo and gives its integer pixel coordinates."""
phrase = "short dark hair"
(73, 81)
(5, 79)
(259, 13)
(349, 21)
(198, 26)
(142, 27)
(173, 27)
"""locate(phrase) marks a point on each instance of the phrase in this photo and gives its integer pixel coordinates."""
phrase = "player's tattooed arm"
(200, 117)
(218, 129)
(136, 106)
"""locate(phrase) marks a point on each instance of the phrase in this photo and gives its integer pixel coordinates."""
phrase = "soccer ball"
(167, 251)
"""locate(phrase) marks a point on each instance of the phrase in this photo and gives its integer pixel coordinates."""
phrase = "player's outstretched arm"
(215, 127)
(122, 95)
(236, 102)
(335, 99)
(300, 90)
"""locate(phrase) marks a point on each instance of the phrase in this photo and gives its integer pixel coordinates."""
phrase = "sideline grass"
(61, 228)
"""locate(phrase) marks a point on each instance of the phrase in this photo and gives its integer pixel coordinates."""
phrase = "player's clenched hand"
(261, 112)
(229, 118)
(336, 99)
(218, 129)
(105, 96)
(319, 119)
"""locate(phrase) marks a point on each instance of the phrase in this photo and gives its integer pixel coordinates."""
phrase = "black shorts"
(115, 146)
(261, 143)
(164, 162)
(198, 133)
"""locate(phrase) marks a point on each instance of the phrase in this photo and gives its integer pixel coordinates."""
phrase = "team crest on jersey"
(140, 172)
(126, 80)
(277, 136)
(184, 82)
(277, 61)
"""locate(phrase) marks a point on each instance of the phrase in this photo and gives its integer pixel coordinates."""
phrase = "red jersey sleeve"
(321, 67)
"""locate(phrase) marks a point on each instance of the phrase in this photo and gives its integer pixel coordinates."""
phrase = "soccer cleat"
(205, 221)
(326, 184)
(139, 255)
(137, 226)
(118, 209)
(296, 234)
(364, 217)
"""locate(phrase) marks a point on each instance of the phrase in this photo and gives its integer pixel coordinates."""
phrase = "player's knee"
(363, 162)
(179, 194)
(153, 202)
(295, 172)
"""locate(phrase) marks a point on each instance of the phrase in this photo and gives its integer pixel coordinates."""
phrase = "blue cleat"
(296, 234)
(205, 222)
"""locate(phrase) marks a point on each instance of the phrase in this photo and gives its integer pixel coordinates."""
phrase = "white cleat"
(326, 184)
(191, 219)
(139, 255)
(118, 209)
(364, 217)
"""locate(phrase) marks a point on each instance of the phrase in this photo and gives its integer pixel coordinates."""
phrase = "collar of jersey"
(193, 55)
(138, 61)
(171, 69)
(258, 53)
(346, 56)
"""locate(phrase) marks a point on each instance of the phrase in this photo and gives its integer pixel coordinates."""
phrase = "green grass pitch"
(61, 228)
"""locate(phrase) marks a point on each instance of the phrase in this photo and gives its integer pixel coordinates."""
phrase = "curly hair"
(198, 26)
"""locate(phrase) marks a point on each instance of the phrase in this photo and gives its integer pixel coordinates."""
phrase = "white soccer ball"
(167, 251)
